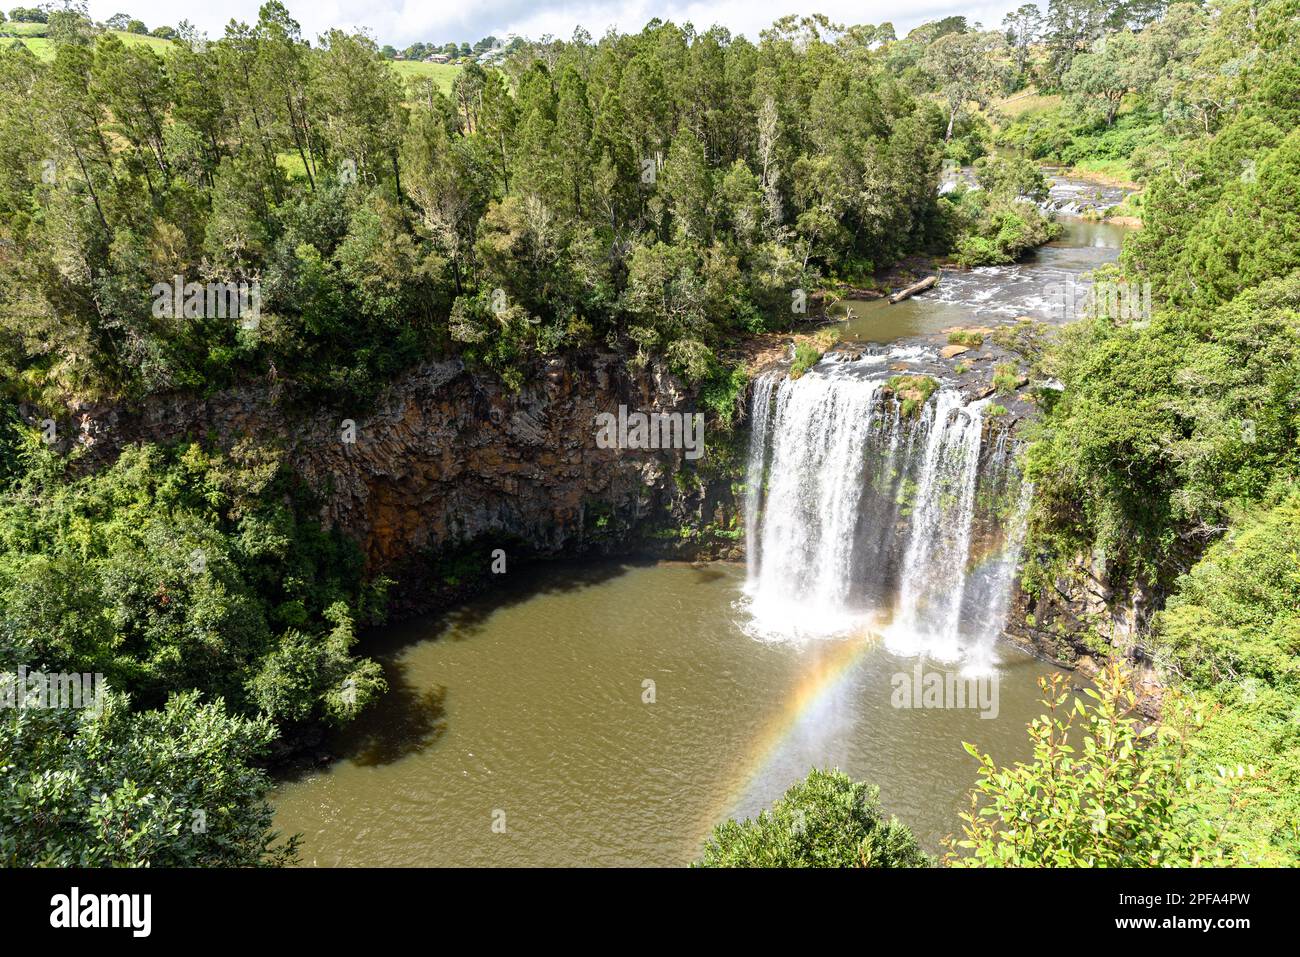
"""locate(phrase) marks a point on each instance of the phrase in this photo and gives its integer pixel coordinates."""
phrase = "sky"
(403, 22)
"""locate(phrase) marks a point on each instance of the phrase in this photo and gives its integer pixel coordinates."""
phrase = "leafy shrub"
(806, 355)
(173, 787)
(174, 570)
(809, 352)
(1163, 432)
(1116, 798)
(722, 391)
(826, 820)
(1011, 177)
(991, 229)
(1231, 631)
(1026, 339)
(1006, 378)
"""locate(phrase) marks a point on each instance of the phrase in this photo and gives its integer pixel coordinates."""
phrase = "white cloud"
(402, 22)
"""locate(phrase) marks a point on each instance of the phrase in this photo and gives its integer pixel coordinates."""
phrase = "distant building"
(437, 58)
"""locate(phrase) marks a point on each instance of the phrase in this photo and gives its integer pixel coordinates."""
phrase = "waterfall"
(862, 517)
(986, 618)
(760, 404)
(938, 546)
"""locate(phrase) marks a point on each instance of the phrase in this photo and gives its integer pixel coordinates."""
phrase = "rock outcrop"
(1083, 618)
(447, 457)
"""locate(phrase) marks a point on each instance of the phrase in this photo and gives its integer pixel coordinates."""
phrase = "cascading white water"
(760, 404)
(860, 517)
(926, 619)
(818, 433)
(986, 618)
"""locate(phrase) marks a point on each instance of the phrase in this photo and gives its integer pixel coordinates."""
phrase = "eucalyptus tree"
(968, 68)
(1071, 26)
(1099, 79)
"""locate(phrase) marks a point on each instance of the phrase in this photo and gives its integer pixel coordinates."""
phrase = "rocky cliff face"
(449, 464)
(447, 458)
(1083, 619)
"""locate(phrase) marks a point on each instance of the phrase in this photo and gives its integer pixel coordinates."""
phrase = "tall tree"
(1024, 28)
(968, 69)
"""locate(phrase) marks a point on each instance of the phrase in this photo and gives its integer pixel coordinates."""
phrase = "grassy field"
(442, 73)
(42, 47)
(32, 35)
(15, 29)
(159, 45)
(1110, 172)
(1026, 101)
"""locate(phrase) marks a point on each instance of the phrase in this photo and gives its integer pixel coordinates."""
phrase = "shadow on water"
(407, 719)
(465, 620)
(706, 574)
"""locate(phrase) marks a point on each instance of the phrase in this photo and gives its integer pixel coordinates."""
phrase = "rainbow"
(836, 658)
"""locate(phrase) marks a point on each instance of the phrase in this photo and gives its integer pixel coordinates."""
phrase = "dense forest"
(662, 195)
(535, 209)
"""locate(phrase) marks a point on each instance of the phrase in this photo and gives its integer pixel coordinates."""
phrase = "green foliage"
(1163, 431)
(967, 66)
(1027, 338)
(722, 392)
(1224, 253)
(1100, 791)
(964, 337)
(995, 228)
(826, 820)
(1173, 430)
(1167, 428)
(1006, 378)
(1236, 614)
(175, 570)
(912, 391)
(1136, 139)
(1231, 632)
(304, 671)
(1011, 177)
(1098, 80)
(654, 193)
(806, 355)
(175, 574)
(173, 787)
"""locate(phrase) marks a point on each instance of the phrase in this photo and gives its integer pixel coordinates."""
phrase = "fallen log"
(913, 289)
